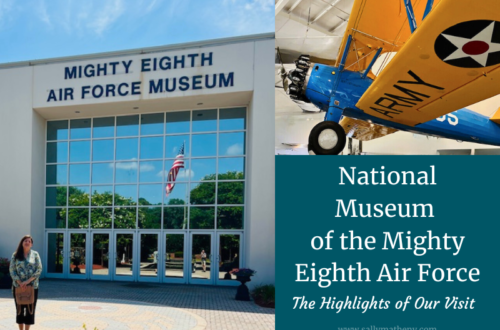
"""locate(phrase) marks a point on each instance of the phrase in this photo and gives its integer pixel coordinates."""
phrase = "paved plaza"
(68, 304)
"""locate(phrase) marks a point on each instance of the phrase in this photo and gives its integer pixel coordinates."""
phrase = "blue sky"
(36, 29)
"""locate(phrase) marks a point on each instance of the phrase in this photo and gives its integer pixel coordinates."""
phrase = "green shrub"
(179, 254)
(266, 293)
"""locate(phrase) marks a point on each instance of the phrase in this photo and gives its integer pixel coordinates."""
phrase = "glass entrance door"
(124, 256)
(55, 255)
(228, 258)
(201, 266)
(100, 256)
(149, 257)
(174, 259)
(77, 263)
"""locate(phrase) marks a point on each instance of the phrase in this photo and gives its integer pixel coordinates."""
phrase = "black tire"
(314, 143)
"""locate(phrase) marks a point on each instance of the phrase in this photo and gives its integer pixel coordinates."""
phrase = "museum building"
(152, 164)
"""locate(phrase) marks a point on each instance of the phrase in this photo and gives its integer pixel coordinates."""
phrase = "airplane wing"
(362, 130)
(452, 60)
(376, 24)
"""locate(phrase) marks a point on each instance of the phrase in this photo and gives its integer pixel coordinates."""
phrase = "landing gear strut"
(327, 138)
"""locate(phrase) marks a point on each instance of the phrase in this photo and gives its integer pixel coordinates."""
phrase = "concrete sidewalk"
(68, 304)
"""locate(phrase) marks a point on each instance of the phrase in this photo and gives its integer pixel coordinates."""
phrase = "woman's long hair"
(20, 249)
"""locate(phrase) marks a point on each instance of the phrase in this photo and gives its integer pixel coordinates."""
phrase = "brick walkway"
(68, 304)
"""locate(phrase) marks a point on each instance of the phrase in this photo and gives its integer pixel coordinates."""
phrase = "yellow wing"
(362, 130)
(376, 24)
(451, 61)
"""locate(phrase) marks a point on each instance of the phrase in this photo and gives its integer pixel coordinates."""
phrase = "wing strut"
(371, 63)
(428, 8)
(411, 15)
(346, 51)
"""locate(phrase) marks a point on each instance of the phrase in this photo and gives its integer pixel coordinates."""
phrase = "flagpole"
(186, 200)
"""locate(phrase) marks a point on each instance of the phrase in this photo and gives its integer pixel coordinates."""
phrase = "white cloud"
(235, 149)
(43, 14)
(106, 16)
(183, 174)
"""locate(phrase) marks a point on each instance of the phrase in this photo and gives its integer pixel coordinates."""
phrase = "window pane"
(55, 196)
(175, 217)
(203, 169)
(126, 149)
(104, 127)
(178, 195)
(102, 196)
(152, 147)
(202, 193)
(125, 217)
(57, 152)
(57, 174)
(173, 144)
(150, 217)
(79, 129)
(231, 168)
(182, 175)
(232, 144)
(230, 192)
(102, 173)
(79, 151)
(127, 125)
(204, 120)
(151, 171)
(201, 218)
(55, 248)
(103, 150)
(178, 122)
(101, 217)
(79, 196)
(126, 195)
(126, 172)
(55, 218)
(78, 218)
(152, 124)
(79, 174)
(232, 119)
(204, 145)
(57, 130)
(150, 194)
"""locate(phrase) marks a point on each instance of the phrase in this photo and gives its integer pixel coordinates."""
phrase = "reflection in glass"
(152, 147)
(126, 172)
(178, 196)
(204, 120)
(231, 168)
(103, 150)
(55, 249)
(125, 217)
(55, 196)
(77, 253)
(203, 169)
(149, 255)
(230, 217)
(202, 193)
(232, 144)
(151, 171)
(150, 217)
(78, 218)
(126, 149)
(79, 196)
(100, 254)
(232, 119)
(182, 175)
(57, 152)
(103, 127)
(230, 192)
(201, 218)
(173, 144)
(201, 255)
(204, 145)
(150, 194)
(152, 124)
(127, 125)
(102, 196)
(57, 174)
(175, 217)
(57, 130)
(124, 254)
(177, 122)
(101, 217)
(79, 151)
(79, 174)
(229, 253)
(55, 218)
(174, 255)
(79, 129)
(102, 173)
(126, 195)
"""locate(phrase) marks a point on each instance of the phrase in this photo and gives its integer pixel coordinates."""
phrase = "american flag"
(172, 174)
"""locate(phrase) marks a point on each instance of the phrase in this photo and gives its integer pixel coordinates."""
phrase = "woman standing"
(25, 269)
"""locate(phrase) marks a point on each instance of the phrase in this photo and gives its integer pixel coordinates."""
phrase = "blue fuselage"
(337, 93)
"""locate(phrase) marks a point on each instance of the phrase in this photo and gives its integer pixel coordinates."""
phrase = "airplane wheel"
(327, 138)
